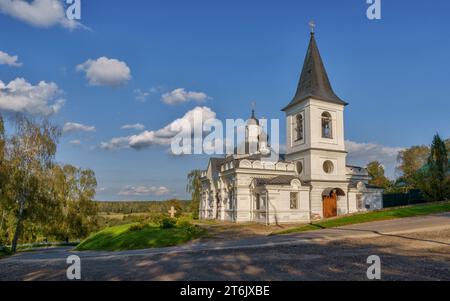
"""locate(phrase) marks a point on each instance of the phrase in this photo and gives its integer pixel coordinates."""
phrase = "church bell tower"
(315, 123)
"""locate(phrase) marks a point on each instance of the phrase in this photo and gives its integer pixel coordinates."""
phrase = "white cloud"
(10, 60)
(141, 96)
(137, 126)
(105, 72)
(75, 142)
(162, 136)
(39, 13)
(116, 143)
(180, 95)
(19, 96)
(71, 127)
(144, 191)
(364, 153)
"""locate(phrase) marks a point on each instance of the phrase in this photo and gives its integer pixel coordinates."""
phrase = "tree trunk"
(3, 219)
(18, 227)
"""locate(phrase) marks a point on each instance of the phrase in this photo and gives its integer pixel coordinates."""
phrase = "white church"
(311, 181)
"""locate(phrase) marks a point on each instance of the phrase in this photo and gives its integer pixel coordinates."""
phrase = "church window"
(230, 199)
(299, 167)
(327, 126)
(299, 127)
(328, 167)
(294, 200)
(258, 201)
(263, 201)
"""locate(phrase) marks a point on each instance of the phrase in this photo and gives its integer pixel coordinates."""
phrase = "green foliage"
(194, 186)
(376, 172)
(4, 251)
(28, 159)
(425, 168)
(122, 237)
(77, 214)
(188, 227)
(434, 178)
(40, 200)
(138, 227)
(410, 161)
(167, 223)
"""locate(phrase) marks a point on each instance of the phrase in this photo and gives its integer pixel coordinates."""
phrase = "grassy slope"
(373, 216)
(123, 238)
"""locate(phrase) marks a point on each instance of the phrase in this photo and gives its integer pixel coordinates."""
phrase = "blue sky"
(393, 72)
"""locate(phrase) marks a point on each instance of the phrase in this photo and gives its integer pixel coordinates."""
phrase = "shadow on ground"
(415, 257)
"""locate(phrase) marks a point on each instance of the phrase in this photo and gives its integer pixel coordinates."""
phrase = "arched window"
(258, 201)
(299, 127)
(327, 126)
(230, 199)
(294, 200)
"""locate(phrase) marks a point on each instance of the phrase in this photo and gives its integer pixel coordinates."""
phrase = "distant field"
(121, 215)
(132, 207)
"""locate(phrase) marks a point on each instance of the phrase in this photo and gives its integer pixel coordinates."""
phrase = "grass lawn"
(380, 215)
(129, 237)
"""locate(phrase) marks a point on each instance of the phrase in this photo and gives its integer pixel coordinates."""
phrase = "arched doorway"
(330, 197)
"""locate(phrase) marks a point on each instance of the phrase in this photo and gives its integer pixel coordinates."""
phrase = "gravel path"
(414, 249)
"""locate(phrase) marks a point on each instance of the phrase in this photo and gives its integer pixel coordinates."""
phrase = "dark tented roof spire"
(253, 119)
(314, 82)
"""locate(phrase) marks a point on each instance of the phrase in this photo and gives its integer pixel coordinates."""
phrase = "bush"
(4, 251)
(167, 223)
(155, 218)
(183, 224)
(138, 227)
(189, 228)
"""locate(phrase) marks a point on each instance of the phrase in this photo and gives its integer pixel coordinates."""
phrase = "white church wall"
(244, 202)
(342, 205)
(279, 205)
(305, 158)
(352, 201)
(373, 199)
(318, 158)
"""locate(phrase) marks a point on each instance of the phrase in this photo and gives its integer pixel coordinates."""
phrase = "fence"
(412, 197)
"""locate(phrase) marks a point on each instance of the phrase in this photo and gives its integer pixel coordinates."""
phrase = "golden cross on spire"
(312, 25)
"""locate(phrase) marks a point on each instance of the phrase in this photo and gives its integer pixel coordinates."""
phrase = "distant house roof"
(314, 82)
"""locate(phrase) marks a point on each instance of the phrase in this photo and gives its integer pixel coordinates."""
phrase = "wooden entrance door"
(330, 206)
